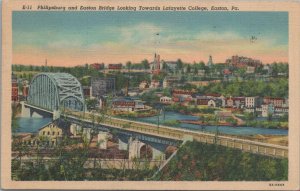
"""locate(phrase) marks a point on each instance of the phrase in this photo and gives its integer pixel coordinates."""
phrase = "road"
(184, 134)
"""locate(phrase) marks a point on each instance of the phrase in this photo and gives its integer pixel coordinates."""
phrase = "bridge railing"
(210, 138)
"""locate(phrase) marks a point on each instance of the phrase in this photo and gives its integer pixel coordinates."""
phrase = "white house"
(267, 109)
(165, 99)
(251, 102)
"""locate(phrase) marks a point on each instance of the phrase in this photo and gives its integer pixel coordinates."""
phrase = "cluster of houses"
(265, 106)
(52, 134)
(128, 104)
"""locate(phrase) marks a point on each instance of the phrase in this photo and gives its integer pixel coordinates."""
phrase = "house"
(49, 135)
(178, 98)
(239, 102)
(97, 66)
(177, 92)
(210, 102)
(280, 111)
(250, 70)
(171, 66)
(202, 100)
(251, 102)
(165, 100)
(115, 66)
(267, 109)
(277, 102)
(226, 72)
(170, 82)
(127, 104)
(235, 102)
(214, 103)
(144, 85)
(154, 84)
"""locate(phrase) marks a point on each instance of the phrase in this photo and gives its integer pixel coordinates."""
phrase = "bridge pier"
(102, 140)
(135, 148)
(75, 129)
(25, 111)
(56, 114)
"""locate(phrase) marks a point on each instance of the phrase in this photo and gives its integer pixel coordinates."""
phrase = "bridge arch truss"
(55, 91)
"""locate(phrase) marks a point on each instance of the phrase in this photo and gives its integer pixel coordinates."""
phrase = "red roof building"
(115, 66)
(277, 102)
(97, 66)
(14, 89)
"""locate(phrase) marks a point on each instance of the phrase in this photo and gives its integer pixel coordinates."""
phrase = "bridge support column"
(135, 148)
(25, 111)
(157, 154)
(56, 114)
(75, 129)
(102, 140)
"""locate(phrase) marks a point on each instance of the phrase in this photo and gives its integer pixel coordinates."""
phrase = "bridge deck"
(180, 134)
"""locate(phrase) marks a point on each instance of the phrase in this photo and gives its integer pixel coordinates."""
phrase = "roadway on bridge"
(183, 134)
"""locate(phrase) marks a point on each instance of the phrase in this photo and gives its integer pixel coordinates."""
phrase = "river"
(222, 129)
(31, 125)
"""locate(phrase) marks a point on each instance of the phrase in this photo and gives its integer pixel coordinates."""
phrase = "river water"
(31, 125)
(222, 129)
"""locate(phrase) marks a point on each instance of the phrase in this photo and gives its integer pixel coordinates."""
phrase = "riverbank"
(272, 139)
(194, 122)
(255, 124)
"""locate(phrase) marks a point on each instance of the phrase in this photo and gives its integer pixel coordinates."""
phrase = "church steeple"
(210, 61)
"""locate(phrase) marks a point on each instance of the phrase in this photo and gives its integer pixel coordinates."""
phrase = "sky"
(76, 38)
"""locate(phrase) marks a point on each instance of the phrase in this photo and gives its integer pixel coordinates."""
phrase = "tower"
(210, 62)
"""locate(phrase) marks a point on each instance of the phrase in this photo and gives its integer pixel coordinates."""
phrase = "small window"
(53, 133)
(48, 132)
(44, 132)
(57, 133)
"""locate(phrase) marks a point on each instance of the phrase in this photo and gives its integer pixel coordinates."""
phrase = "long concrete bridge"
(67, 94)
(165, 135)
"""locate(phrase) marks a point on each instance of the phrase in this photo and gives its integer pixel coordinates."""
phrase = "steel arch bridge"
(54, 91)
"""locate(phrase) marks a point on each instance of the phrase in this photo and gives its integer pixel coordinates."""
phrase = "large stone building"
(102, 86)
(97, 66)
(115, 66)
(243, 62)
(277, 102)
(251, 102)
(49, 135)
(127, 104)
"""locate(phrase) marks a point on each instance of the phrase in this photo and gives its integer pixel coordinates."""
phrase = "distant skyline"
(76, 38)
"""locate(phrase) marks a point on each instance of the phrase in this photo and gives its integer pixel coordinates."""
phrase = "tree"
(145, 63)
(179, 64)
(128, 65)
(91, 104)
(188, 69)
